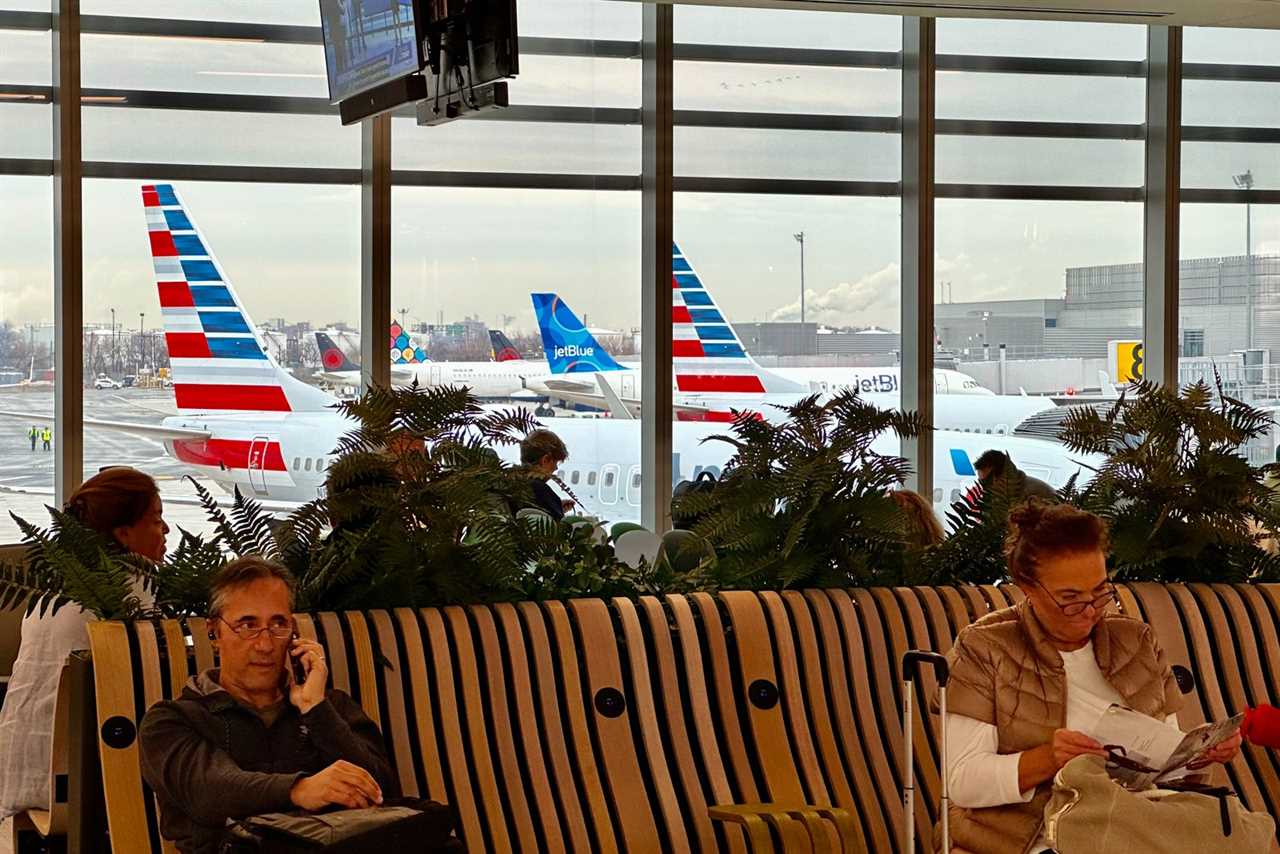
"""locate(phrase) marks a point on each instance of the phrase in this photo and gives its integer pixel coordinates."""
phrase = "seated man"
(542, 452)
(249, 738)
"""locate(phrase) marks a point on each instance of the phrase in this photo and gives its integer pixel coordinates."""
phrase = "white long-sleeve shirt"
(983, 777)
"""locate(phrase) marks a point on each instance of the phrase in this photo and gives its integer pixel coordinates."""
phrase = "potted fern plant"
(804, 502)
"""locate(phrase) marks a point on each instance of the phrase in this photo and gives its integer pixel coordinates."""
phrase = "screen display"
(367, 43)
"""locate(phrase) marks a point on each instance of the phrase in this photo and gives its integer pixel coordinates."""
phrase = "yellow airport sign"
(1126, 361)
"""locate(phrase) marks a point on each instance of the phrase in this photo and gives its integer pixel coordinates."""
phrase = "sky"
(293, 251)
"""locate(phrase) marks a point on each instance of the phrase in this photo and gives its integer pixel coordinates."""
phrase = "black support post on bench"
(86, 806)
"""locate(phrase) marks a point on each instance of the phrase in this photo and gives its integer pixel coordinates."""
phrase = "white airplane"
(565, 337)
(714, 374)
(243, 421)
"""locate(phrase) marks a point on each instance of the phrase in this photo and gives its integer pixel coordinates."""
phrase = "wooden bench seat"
(739, 722)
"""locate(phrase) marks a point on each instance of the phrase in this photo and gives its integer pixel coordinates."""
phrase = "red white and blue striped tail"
(708, 355)
(218, 360)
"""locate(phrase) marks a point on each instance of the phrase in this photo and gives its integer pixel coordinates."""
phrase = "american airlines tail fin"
(708, 356)
(403, 350)
(569, 345)
(503, 349)
(219, 361)
(333, 357)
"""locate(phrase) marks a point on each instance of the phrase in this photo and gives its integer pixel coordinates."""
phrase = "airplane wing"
(132, 428)
(617, 408)
(574, 392)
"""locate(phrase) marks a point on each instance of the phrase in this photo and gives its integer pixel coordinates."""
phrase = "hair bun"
(1028, 514)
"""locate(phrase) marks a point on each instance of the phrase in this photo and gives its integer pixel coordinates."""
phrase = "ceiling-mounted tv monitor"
(369, 44)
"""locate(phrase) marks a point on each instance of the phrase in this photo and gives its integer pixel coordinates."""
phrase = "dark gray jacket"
(210, 759)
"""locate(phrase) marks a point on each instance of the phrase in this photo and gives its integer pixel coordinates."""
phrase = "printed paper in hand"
(1144, 752)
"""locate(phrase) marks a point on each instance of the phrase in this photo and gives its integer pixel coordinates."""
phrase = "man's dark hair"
(992, 462)
(240, 572)
(541, 443)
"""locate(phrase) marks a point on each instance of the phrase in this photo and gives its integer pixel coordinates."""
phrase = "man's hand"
(1223, 753)
(1068, 744)
(310, 693)
(342, 784)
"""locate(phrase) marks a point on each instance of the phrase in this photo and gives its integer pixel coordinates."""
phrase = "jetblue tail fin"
(333, 357)
(708, 356)
(403, 350)
(219, 361)
(503, 349)
(570, 346)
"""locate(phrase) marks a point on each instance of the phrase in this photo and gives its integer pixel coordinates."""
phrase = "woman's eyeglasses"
(1075, 609)
(247, 632)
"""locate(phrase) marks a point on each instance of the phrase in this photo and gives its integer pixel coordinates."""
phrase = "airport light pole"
(1244, 181)
(142, 317)
(799, 236)
(115, 353)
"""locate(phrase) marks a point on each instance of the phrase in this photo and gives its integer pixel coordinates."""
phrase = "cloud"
(872, 299)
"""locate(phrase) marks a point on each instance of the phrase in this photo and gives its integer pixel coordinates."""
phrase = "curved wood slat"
(398, 738)
(1255, 600)
(617, 743)
(814, 701)
(336, 649)
(859, 740)
(152, 688)
(424, 714)
(936, 615)
(175, 643)
(366, 667)
(1129, 604)
(199, 631)
(957, 609)
(1210, 682)
(979, 607)
(497, 712)
(121, 773)
(920, 636)
(676, 696)
(995, 596)
(796, 711)
(1013, 593)
(882, 677)
(647, 721)
(552, 722)
(927, 783)
(1245, 650)
(731, 728)
(583, 753)
(1163, 617)
(459, 770)
(767, 728)
(483, 768)
(307, 628)
(525, 738)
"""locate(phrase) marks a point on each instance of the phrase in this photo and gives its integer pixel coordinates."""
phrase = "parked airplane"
(503, 349)
(714, 374)
(243, 421)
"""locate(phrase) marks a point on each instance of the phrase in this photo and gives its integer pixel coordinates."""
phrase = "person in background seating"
(993, 464)
(1028, 682)
(542, 452)
(123, 506)
(923, 527)
(251, 737)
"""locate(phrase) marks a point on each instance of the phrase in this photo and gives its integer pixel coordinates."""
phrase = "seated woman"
(123, 505)
(1028, 682)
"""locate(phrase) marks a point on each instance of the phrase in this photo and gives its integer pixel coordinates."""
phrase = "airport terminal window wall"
(1230, 237)
(785, 123)
(1040, 170)
(26, 269)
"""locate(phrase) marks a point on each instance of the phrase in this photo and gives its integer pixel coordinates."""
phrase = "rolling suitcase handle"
(911, 662)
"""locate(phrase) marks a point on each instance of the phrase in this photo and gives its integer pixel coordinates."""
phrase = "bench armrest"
(800, 825)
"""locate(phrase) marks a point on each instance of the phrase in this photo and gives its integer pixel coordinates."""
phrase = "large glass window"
(541, 200)
(1038, 231)
(26, 275)
(1230, 244)
(787, 231)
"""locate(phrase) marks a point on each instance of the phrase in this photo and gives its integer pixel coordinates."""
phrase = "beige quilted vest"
(1006, 672)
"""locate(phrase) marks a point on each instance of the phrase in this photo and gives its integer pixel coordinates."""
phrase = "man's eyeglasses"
(1074, 609)
(247, 632)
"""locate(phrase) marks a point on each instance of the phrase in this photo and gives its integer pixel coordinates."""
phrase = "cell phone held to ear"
(299, 672)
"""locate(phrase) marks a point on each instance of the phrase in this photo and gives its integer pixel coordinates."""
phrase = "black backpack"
(401, 824)
(704, 482)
